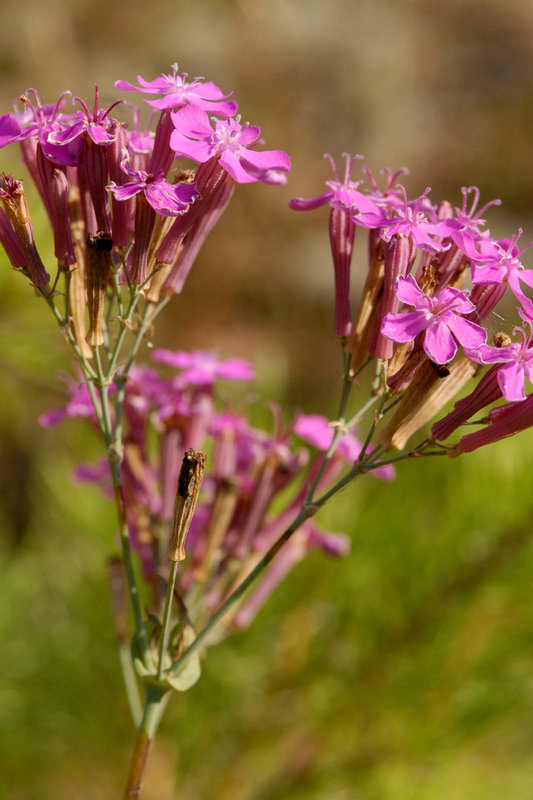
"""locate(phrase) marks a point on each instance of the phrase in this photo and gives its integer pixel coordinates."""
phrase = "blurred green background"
(404, 672)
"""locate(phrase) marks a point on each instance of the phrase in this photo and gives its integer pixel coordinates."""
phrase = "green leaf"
(190, 671)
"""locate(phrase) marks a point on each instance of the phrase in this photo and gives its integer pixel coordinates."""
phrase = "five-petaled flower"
(439, 316)
(196, 137)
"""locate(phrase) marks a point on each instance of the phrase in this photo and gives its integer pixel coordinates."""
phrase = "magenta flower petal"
(192, 122)
(511, 381)
(210, 91)
(526, 275)
(408, 291)
(187, 148)
(315, 429)
(203, 367)
(170, 199)
(226, 109)
(528, 369)
(126, 86)
(268, 159)
(232, 164)
(318, 431)
(404, 326)
(455, 299)
(67, 135)
(125, 191)
(467, 333)
(266, 165)
(439, 343)
(333, 544)
(10, 130)
(299, 204)
(236, 369)
(99, 135)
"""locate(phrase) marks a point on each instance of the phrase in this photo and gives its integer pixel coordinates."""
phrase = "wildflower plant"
(212, 512)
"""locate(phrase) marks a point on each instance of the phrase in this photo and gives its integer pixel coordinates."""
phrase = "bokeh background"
(404, 672)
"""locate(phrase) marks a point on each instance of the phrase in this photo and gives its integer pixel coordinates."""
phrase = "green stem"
(309, 508)
(96, 405)
(154, 706)
(165, 628)
(67, 296)
(339, 430)
(362, 411)
(134, 299)
(64, 325)
(130, 682)
(128, 560)
(118, 294)
(122, 377)
(261, 565)
(103, 391)
(114, 459)
(147, 320)
(360, 467)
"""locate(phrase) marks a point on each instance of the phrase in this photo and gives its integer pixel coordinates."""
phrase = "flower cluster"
(240, 512)
(128, 220)
(435, 275)
(97, 176)
(194, 483)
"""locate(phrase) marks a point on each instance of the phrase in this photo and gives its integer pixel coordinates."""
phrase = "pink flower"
(195, 137)
(10, 130)
(518, 360)
(465, 227)
(318, 431)
(344, 199)
(167, 199)
(411, 220)
(202, 368)
(177, 92)
(308, 537)
(439, 316)
(40, 121)
(343, 195)
(79, 405)
(493, 261)
(96, 124)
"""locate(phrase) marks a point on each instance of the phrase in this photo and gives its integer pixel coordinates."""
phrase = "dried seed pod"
(98, 271)
(189, 482)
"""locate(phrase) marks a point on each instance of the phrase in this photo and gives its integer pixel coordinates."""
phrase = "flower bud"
(341, 236)
(14, 202)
